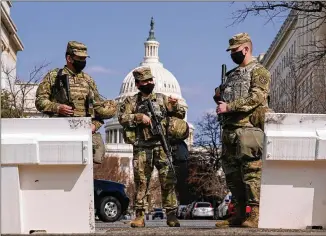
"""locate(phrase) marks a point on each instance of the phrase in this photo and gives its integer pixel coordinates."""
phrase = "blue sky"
(193, 37)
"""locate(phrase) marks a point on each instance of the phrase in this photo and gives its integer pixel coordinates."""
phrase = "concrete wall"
(47, 175)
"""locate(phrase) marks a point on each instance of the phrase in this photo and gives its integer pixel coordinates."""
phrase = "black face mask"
(146, 89)
(237, 57)
(79, 65)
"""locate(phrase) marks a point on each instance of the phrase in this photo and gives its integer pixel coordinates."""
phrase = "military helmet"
(178, 129)
(129, 135)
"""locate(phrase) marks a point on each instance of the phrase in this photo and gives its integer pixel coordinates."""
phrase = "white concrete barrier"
(293, 190)
(47, 176)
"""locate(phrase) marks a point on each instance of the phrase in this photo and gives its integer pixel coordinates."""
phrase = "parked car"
(203, 210)
(188, 214)
(179, 211)
(183, 213)
(127, 216)
(231, 208)
(158, 214)
(223, 208)
(227, 208)
(110, 199)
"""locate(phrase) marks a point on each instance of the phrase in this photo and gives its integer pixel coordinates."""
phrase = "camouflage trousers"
(144, 160)
(98, 148)
(241, 163)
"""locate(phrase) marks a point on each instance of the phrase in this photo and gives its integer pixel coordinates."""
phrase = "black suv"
(111, 200)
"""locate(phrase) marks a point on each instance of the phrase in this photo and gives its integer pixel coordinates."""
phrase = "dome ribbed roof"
(164, 80)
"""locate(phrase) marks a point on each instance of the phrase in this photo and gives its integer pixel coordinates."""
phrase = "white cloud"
(101, 70)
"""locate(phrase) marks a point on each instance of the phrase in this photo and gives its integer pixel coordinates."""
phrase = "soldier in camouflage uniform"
(242, 101)
(147, 149)
(52, 97)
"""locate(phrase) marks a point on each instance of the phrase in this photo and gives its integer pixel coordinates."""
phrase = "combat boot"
(139, 221)
(252, 220)
(235, 220)
(171, 218)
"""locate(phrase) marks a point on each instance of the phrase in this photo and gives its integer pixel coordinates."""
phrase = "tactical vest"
(143, 133)
(238, 83)
(158, 105)
(80, 92)
(174, 128)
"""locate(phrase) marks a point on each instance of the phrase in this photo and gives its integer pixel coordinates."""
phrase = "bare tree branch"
(207, 136)
(204, 164)
(300, 90)
(318, 88)
(16, 96)
(310, 17)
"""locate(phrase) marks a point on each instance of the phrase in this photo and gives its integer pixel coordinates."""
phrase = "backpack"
(180, 151)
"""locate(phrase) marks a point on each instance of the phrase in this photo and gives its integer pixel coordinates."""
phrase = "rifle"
(157, 129)
(64, 79)
(223, 74)
(220, 116)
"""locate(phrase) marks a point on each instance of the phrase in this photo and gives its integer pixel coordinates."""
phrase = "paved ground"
(192, 227)
(188, 227)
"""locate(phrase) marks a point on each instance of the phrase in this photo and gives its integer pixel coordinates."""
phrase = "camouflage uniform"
(147, 149)
(82, 86)
(245, 91)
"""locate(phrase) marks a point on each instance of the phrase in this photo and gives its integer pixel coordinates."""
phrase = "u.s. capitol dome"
(165, 83)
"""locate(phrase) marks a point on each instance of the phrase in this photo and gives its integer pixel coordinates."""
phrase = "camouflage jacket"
(246, 88)
(130, 117)
(81, 85)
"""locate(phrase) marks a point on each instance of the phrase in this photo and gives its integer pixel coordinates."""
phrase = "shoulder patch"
(261, 71)
(262, 74)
